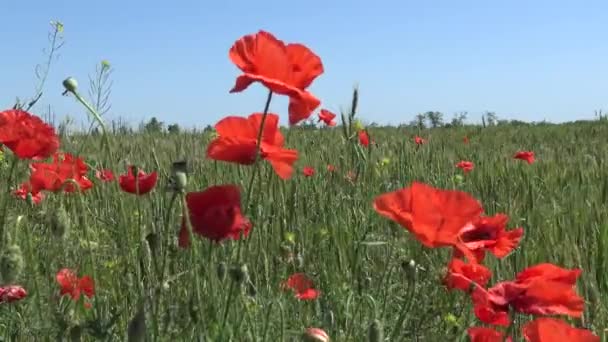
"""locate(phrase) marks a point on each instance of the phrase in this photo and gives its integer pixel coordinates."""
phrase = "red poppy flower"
(545, 329)
(331, 168)
(327, 117)
(418, 140)
(27, 135)
(53, 176)
(237, 139)
(73, 286)
(487, 234)
(528, 156)
(105, 175)
(144, 182)
(215, 214)
(308, 171)
(363, 138)
(12, 293)
(544, 289)
(25, 189)
(482, 334)
(286, 69)
(463, 275)
(302, 286)
(434, 216)
(315, 335)
(465, 140)
(466, 166)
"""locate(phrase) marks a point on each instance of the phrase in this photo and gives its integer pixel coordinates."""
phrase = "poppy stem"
(257, 149)
(11, 173)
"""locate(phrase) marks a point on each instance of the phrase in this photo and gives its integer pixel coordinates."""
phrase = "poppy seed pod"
(11, 264)
(70, 84)
(315, 335)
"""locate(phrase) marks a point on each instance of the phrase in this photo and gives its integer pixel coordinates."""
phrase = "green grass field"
(322, 225)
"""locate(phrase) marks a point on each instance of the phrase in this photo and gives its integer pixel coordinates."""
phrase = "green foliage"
(367, 267)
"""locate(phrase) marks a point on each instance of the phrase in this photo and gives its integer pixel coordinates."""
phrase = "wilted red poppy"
(545, 329)
(73, 286)
(418, 140)
(25, 189)
(105, 175)
(141, 184)
(286, 69)
(327, 117)
(302, 286)
(528, 156)
(487, 234)
(331, 168)
(53, 176)
(27, 135)
(363, 138)
(434, 216)
(465, 166)
(12, 293)
(544, 289)
(462, 276)
(237, 139)
(465, 140)
(483, 334)
(215, 214)
(308, 171)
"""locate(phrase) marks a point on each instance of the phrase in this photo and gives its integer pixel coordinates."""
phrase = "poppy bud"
(29, 199)
(221, 271)
(315, 335)
(375, 333)
(239, 274)
(76, 333)
(59, 223)
(251, 290)
(410, 269)
(179, 175)
(70, 84)
(137, 326)
(11, 264)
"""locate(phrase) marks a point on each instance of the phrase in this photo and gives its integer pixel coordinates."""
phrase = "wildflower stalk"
(193, 250)
(256, 165)
(33, 264)
(11, 174)
(72, 89)
(85, 231)
(257, 149)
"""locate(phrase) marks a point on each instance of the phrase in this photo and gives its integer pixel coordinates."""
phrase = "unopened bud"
(59, 222)
(315, 335)
(221, 271)
(239, 274)
(137, 326)
(375, 332)
(11, 264)
(179, 175)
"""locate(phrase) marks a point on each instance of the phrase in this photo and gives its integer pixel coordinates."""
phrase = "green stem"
(6, 201)
(256, 165)
(193, 252)
(96, 116)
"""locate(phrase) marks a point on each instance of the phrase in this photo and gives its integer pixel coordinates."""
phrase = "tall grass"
(366, 267)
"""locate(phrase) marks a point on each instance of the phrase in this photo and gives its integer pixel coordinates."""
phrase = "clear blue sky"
(529, 60)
